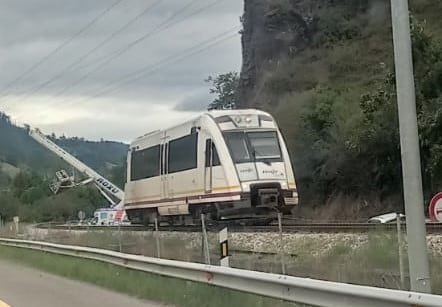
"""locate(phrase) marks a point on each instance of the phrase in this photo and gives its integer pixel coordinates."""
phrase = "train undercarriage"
(260, 206)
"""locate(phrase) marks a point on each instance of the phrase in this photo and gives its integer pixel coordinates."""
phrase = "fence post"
(400, 251)
(16, 220)
(205, 242)
(281, 242)
(120, 247)
(157, 238)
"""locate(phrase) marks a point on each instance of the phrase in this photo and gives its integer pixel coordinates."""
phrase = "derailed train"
(229, 164)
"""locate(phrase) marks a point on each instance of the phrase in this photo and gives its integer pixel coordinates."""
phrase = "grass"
(139, 284)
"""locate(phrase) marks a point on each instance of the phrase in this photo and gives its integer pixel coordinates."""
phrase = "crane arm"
(99, 180)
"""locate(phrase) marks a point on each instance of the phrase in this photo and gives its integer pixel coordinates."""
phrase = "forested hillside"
(17, 148)
(325, 69)
(27, 168)
(21, 151)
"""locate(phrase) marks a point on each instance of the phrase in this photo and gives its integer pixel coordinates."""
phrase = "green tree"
(224, 87)
(30, 187)
(9, 206)
(358, 151)
(380, 109)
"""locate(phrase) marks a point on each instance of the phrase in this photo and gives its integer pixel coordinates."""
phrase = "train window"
(254, 146)
(237, 143)
(215, 161)
(183, 153)
(145, 163)
(265, 145)
(215, 157)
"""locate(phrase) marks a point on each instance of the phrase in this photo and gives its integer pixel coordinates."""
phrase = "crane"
(105, 186)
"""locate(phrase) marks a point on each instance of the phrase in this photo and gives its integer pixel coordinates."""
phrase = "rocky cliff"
(277, 30)
(273, 30)
(319, 67)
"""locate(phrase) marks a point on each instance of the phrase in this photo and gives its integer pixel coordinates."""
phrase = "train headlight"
(237, 120)
(245, 120)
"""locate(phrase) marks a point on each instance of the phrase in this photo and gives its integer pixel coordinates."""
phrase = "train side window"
(145, 163)
(208, 145)
(213, 151)
(183, 153)
(163, 158)
(215, 161)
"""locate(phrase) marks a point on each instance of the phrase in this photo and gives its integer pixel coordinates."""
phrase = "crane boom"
(99, 180)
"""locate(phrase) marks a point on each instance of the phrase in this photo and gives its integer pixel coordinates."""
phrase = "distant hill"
(19, 150)
(101, 156)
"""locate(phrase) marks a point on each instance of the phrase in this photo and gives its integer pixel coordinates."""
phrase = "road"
(24, 287)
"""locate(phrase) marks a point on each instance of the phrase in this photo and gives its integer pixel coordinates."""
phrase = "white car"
(386, 218)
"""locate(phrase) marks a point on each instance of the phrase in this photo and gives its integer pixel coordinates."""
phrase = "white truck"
(104, 216)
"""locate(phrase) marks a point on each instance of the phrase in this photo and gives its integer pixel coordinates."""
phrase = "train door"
(208, 183)
(213, 174)
(185, 178)
(208, 174)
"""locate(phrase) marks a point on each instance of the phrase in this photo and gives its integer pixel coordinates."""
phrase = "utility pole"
(411, 162)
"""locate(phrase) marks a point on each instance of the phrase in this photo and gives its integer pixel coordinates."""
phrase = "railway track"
(287, 228)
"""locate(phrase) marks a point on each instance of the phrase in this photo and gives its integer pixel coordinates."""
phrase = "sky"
(113, 69)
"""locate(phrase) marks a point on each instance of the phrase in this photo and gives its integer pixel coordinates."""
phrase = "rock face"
(273, 30)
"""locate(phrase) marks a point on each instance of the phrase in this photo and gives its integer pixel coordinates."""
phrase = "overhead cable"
(43, 60)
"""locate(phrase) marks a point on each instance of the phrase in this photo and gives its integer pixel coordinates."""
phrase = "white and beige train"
(229, 164)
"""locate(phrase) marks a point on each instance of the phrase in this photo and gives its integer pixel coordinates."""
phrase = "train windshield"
(254, 146)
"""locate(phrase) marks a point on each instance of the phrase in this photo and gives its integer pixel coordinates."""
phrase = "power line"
(149, 69)
(123, 50)
(161, 27)
(177, 57)
(59, 47)
(97, 47)
(146, 10)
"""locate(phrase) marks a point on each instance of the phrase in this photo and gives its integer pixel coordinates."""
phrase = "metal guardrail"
(288, 288)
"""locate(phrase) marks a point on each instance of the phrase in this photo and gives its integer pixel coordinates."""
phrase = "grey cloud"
(196, 102)
(153, 50)
(40, 26)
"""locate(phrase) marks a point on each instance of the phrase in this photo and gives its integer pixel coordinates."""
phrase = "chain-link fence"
(368, 259)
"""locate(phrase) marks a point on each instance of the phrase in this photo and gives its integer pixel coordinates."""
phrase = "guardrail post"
(224, 247)
(157, 238)
(205, 242)
(281, 243)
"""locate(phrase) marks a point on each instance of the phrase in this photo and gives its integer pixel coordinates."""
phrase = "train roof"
(218, 113)
(213, 114)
